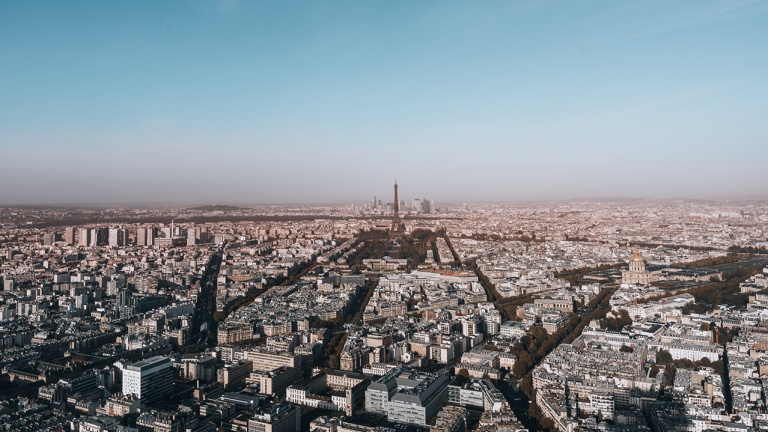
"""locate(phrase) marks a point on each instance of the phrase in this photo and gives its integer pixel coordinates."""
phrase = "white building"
(149, 380)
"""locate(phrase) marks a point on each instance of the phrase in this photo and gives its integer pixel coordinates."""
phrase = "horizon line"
(245, 205)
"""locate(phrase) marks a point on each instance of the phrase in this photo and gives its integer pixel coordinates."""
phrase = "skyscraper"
(427, 206)
(69, 235)
(84, 237)
(145, 236)
(416, 205)
(192, 235)
(49, 238)
(141, 237)
(117, 237)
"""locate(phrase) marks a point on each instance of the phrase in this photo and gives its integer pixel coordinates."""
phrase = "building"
(560, 305)
(149, 380)
(353, 359)
(638, 274)
(478, 393)
(118, 237)
(169, 421)
(49, 238)
(277, 418)
(146, 236)
(192, 236)
(554, 322)
(265, 359)
(334, 390)
(201, 368)
(230, 333)
(451, 419)
(120, 405)
(69, 235)
(275, 382)
(602, 403)
(233, 375)
(408, 396)
(83, 237)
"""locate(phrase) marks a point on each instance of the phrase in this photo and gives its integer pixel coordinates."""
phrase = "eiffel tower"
(397, 230)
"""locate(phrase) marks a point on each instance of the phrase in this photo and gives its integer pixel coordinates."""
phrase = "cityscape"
(389, 315)
(383, 216)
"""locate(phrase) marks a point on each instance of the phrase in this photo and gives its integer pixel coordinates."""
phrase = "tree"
(704, 326)
(653, 372)
(624, 319)
(538, 332)
(718, 367)
(610, 324)
(626, 349)
(522, 364)
(333, 361)
(526, 385)
(664, 357)
(669, 375)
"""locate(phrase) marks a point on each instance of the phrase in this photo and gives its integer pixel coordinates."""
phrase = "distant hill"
(216, 207)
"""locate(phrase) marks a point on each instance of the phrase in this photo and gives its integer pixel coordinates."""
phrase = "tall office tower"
(375, 203)
(94, 240)
(398, 227)
(123, 297)
(117, 237)
(416, 205)
(141, 236)
(151, 235)
(427, 206)
(192, 235)
(103, 234)
(145, 236)
(84, 237)
(49, 238)
(150, 380)
(69, 235)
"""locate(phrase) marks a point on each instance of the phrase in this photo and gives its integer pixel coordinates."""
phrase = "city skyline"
(216, 318)
(422, 216)
(247, 103)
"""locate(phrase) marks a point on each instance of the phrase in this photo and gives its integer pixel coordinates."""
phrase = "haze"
(290, 102)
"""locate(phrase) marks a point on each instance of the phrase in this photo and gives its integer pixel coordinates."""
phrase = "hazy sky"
(318, 101)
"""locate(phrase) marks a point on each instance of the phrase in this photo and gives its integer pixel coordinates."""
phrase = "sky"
(248, 102)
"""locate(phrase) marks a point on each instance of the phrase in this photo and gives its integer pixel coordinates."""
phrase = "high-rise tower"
(398, 227)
